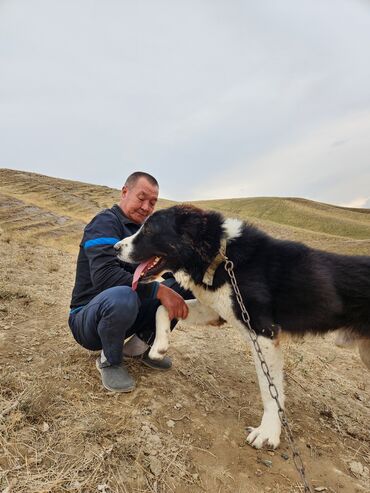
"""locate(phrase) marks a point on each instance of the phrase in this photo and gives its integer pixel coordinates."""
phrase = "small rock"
(358, 470)
(285, 456)
(45, 427)
(104, 488)
(155, 466)
(327, 413)
(178, 405)
(155, 441)
(145, 429)
(321, 488)
(258, 472)
(76, 485)
(170, 423)
(266, 462)
(29, 359)
(359, 396)
(152, 445)
(108, 450)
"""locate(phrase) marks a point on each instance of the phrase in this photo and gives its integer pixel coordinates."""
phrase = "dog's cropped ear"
(190, 222)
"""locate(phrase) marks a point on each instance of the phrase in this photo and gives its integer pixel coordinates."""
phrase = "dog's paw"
(157, 353)
(264, 436)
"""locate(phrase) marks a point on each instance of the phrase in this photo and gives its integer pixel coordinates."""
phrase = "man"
(104, 309)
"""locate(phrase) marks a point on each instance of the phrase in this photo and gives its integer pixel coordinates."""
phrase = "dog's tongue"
(139, 269)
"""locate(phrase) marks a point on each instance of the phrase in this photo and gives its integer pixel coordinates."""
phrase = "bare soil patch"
(183, 431)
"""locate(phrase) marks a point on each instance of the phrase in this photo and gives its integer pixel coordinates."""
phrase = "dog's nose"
(117, 246)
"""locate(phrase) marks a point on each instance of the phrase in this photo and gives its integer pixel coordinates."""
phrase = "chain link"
(297, 459)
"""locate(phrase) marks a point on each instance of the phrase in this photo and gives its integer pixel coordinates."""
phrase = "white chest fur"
(219, 300)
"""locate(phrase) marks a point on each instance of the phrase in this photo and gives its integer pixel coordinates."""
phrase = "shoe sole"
(145, 362)
(125, 391)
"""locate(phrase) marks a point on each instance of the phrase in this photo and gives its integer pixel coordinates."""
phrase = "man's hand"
(175, 304)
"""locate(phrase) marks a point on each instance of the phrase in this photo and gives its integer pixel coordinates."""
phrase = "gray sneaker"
(163, 364)
(115, 377)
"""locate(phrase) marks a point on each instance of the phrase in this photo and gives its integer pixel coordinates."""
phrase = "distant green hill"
(53, 211)
(299, 213)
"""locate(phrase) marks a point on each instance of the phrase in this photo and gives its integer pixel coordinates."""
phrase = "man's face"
(138, 201)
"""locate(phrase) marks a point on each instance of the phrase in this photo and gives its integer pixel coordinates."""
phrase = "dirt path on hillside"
(183, 431)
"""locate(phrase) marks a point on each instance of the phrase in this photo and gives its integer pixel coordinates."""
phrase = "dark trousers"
(112, 316)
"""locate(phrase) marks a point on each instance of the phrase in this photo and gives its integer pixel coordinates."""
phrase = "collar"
(220, 257)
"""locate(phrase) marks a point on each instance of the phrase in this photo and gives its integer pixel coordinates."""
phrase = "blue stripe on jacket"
(75, 310)
(100, 241)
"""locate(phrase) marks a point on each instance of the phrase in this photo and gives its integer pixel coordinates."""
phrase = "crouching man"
(105, 311)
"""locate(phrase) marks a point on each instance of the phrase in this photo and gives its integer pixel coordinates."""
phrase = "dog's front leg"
(198, 314)
(162, 334)
(268, 433)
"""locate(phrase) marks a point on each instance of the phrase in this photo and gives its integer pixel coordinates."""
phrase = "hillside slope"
(53, 211)
(181, 432)
(49, 210)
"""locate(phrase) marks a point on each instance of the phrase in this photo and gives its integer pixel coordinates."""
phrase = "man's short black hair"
(133, 178)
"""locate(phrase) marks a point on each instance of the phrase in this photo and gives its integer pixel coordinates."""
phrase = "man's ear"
(124, 191)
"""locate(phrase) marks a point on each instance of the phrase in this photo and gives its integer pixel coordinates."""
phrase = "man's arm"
(105, 269)
(175, 304)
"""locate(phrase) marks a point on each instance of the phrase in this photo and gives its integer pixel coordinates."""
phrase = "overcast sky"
(216, 98)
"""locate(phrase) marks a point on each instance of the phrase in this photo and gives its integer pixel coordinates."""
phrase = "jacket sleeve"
(106, 270)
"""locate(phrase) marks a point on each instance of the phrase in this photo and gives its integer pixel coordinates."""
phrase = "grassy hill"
(53, 211)
(50, 210)
(298, 213)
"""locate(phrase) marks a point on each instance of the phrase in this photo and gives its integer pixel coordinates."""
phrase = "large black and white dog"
(286, 286)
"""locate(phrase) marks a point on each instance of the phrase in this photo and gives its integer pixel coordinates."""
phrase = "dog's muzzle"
(123, 249)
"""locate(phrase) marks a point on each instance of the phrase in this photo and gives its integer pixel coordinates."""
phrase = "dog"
(287, 287)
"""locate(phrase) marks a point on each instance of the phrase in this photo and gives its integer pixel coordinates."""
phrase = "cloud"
(216, 99)
(360, 202)
(308, 166)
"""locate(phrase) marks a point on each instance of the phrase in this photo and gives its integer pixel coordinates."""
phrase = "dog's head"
(169, 240)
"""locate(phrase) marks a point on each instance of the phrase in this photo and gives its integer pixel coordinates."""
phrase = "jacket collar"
(124, 219)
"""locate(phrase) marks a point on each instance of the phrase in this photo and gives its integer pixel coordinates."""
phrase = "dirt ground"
(183, 431)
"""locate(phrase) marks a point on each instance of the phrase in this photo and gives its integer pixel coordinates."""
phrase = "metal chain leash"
(298, 462)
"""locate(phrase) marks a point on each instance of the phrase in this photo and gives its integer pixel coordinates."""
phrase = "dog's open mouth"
(148, 269)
